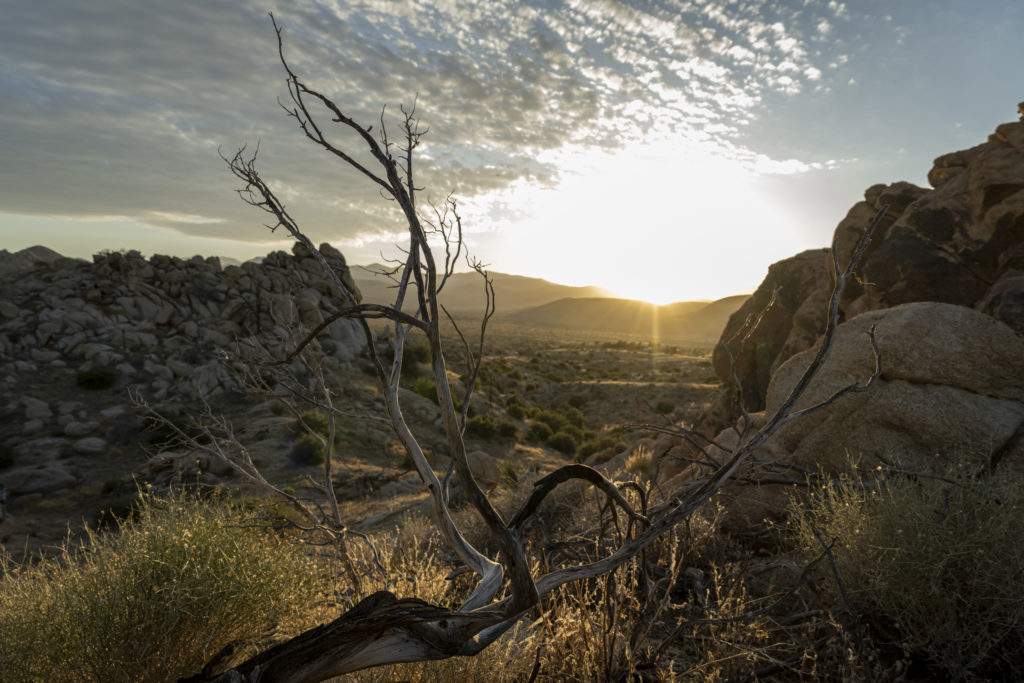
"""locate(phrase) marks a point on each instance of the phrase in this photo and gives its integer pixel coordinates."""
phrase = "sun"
(655, 222)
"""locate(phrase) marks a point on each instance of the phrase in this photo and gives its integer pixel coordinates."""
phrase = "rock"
(43, 356)
(32, 426)
(959, 243)
(779, 332)
(33, 480)
(484, 469)
(36, 409)
(79, 429)
(952, 388)
(90, 445)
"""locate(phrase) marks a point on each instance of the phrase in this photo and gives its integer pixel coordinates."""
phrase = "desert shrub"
(517, 411)
(665, 407)
(426, 388)
(307, 451)
(316, 421)
(642, 462)
(508, 429)
(574, 416)
(578, 400)
(537, 432)
(153, 602)
(599, 443)
(562, 442)
(95, 380)
(509, 472)
(941, 560)
(415, 354)
(553, 420)
(487, 427)
(482, 426)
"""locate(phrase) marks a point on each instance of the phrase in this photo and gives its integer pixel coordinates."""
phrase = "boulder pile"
(160, 326)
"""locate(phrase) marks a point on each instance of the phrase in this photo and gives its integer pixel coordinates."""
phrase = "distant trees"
(386, 628)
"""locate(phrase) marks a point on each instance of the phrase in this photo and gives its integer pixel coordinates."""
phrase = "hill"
(684, 320)
(464, 292)
(25, 259)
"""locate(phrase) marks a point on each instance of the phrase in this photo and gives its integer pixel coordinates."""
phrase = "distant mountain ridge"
(464, 291)
(696, 320)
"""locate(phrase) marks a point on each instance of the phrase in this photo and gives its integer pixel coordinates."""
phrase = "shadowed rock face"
(961, 242)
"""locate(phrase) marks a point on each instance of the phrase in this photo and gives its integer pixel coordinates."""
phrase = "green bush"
(574, 416)
(307, 451)
(555, 421)
(600, 443)
(516, 411)
(482, 426)
(95, 380)
(665, 407)
(942, 561)
(562, 442)
(153, 602)
(538, 432)
(426, 388)
(578, 400)
(315, 420)
(487, 427)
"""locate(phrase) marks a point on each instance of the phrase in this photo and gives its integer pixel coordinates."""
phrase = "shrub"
(517, 411)
(572, 415)
(153, 602)
(507, 429)
(509, 473)
(95, 380)
(315, 420)
(562, 442)
(578, 400)
(553, 420)
(942, 561)
(600, 443)
(537, 432)
(307, 451)
(426, 388)
(642, 462)
(665, 407)
(487, 427)
(6, 456)
(483, 426)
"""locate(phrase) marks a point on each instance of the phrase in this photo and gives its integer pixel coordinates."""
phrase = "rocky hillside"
(70, 329)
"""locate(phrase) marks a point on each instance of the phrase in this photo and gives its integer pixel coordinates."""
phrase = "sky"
(666, 150)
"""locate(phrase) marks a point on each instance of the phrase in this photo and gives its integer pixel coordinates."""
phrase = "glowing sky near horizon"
(665, 150)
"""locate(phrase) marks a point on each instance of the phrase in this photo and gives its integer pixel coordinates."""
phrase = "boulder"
(952, 388)
(484, 469)
(951, 395)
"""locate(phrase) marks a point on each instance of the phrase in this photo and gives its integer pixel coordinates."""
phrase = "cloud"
(119, 106)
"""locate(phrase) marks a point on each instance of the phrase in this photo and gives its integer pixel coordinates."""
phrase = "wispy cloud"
(119, 106)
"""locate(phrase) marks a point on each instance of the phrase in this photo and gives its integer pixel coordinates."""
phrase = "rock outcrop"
(959, 243)
(950, 397)
(157, 325)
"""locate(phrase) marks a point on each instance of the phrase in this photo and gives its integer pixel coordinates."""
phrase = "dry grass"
(153, 601)
(938, 560)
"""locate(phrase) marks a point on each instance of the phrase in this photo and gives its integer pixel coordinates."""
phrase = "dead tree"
(384, 628)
